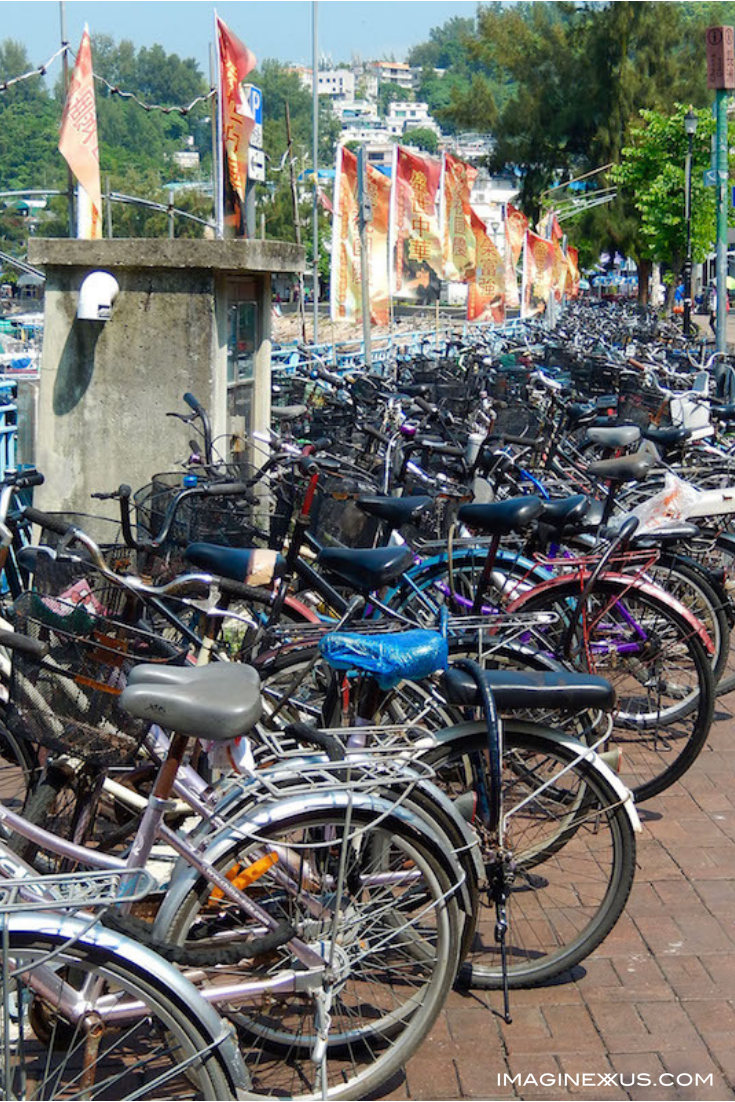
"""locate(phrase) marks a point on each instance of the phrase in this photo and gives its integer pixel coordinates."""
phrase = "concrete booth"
(130, 325)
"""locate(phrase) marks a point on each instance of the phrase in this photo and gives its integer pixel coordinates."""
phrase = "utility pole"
(365, 216)
(721, 77)
(65, 69)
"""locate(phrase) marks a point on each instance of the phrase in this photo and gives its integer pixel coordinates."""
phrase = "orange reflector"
(248, 876)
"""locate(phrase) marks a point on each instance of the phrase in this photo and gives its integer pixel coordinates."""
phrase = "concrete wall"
(106, 387)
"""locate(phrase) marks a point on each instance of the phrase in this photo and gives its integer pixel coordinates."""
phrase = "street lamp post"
(690, 125)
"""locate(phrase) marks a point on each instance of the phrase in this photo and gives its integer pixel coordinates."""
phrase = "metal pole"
(108, 207)
(688, 261)
(262, 226)
(213, 121)
(296, 220)
(315, 157)
(171, 214)
(365, 214)
(65, 65)
(722, 188)
(218, 150)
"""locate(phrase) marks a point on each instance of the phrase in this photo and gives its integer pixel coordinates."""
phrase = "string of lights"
(114, 90)
(39, 72)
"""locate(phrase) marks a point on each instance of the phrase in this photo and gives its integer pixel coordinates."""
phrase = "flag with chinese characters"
(379, 189)
(516, 225)
(459, 239)
(345, 280)
(346, 275)
(486, 291)
(538, 274)
(556, 231)
(78, 142)
(561, 271)
(235, 62)
(417, 251)
(572, 286)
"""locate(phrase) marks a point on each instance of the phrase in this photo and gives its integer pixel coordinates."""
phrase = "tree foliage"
(422, 138)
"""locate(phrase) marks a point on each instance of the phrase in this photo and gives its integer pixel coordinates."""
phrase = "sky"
(271, 28)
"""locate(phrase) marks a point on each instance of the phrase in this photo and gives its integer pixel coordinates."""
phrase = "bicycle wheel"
(154, 1050)
(689, 585)
(654, 658)
(395, 955)
(572, 846)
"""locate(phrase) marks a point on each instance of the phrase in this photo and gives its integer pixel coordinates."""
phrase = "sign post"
(721, 77)
(256, 157)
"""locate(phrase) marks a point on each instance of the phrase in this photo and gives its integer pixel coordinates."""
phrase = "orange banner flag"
(459, 240)
(236, 61)
(486, 291)
(572, 286)
(346, 275)
(561, 271)
(78, 142)
(417, 259)
(538, 274)
(516, 225)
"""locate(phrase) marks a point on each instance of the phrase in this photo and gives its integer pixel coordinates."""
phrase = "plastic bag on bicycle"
(391, 658)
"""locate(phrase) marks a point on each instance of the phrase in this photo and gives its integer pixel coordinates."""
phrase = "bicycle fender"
(76, 930)
(625, 580)
(185, 876)
(560, 738)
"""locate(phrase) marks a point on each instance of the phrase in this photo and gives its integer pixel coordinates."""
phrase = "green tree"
(422, 138)
(651, 177)
(390, 93)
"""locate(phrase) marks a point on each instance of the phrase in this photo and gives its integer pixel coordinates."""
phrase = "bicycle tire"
(595, 805)
(673, 650)
(166, 1036)
(379, 1030)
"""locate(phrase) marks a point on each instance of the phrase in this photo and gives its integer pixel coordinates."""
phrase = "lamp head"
(690, 122)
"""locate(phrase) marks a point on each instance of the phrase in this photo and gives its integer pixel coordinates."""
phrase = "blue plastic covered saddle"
(394, 657)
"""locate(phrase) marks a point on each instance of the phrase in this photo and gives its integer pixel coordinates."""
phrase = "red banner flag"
(572, 286)
(556, 231)
(459, 240)
(417, 260)
(78, 140)
(486, 292)
(538, 274)
(516, 225)
(379, 190)
(236, 61)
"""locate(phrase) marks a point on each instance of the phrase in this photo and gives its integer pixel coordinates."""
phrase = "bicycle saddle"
(216, 702)
(668, 437)
(517, 689)
(287, 413)
(564, 511)
(391, 657)
(725, 413)
(396, 511)
(253, 565)
(366, 568)
(617, 436)
(626, 468)
(499, 518)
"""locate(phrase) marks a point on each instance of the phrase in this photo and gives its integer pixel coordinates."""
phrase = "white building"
(404, 115)
(489, 197)
(355, 111)
(366, 132)
(393, 72)
(335, 83)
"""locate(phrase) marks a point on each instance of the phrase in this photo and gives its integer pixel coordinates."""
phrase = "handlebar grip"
(124, 495)
(246, 592)
(34, 648)
(307, 465)
(376, 434)
(192, 403)
(27, 479)
(427, 407)
(230, 489)
(324, 443)
(310, 735)
(45, 520)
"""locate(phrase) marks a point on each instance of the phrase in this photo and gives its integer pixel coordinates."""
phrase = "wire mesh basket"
(336, 520)
(73, 577)
(68, 701)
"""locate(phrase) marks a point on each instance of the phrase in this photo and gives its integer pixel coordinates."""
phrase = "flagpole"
(391, 241)
(524, 276)
(315, 150)
(213, 126)
(217, 152)
(65, 65)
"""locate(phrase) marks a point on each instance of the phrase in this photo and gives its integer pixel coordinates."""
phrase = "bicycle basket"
(336, 521)
(68, 702)
(76, 578)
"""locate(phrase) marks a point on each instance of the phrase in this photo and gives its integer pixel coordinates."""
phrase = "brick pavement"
(657, 998)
